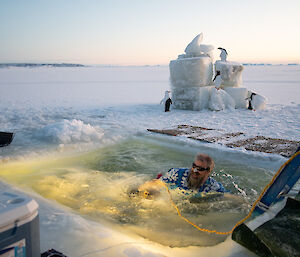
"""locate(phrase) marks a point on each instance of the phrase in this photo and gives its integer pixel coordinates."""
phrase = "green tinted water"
(97, 185)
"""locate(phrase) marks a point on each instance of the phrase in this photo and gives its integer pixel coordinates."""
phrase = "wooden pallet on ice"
(283, 147)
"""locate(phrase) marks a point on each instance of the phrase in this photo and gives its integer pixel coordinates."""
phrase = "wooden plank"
(283, 147)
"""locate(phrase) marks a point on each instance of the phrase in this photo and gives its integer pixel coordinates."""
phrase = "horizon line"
(125, 65)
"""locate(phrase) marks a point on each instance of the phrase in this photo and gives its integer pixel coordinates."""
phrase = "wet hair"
(204, 157)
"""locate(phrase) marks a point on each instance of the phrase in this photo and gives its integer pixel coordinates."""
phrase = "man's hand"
(153, 184)
(148, 190)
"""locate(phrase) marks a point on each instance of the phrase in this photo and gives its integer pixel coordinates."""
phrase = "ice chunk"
(239, 96)
(70, 132)
(204, 94)
(258, 102)
(218, 80)
(191, 98)
(193, 48)
(191, 72)
(188, 105)
(206, 48)
(231, 73)
(220, 100)
(186, 93)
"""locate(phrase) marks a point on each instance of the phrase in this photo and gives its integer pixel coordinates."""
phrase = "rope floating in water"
(239, 222)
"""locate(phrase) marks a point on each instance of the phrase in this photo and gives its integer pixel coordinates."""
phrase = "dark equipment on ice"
(6, 138)
(278, 236)
(52, 253)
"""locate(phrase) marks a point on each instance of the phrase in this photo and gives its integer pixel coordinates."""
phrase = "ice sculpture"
(231, 73)
(191, 75)
(192, 85)
(195, 48)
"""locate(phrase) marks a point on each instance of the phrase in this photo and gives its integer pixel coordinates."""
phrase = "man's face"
(199, 172)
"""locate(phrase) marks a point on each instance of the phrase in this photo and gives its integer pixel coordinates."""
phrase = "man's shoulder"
(178, 170)
(211, 180)
(212, 185)
(174, 174)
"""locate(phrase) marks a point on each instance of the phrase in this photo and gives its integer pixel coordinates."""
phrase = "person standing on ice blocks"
(167, 101)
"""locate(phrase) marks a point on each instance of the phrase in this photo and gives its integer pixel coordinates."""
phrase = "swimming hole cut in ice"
(96, 185)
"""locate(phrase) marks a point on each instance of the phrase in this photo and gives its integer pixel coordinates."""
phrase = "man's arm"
(153, 184)
(153, 187)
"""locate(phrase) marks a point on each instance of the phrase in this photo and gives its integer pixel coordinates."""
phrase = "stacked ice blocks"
(231, 73)
(192, 86)
(191, 79)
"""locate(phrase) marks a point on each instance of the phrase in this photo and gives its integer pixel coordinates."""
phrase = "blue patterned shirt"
(178, 177)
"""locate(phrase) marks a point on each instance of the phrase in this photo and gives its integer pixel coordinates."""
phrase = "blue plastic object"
(283, 183)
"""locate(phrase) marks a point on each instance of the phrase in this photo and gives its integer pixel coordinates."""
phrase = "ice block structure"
(192, 86)
(191, 76)
(231, 73)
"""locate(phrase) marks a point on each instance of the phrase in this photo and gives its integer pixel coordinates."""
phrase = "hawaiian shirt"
(178, 177)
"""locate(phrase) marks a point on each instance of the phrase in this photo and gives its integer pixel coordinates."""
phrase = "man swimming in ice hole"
(197, 178)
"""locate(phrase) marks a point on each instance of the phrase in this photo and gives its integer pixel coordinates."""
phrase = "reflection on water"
(97, 185)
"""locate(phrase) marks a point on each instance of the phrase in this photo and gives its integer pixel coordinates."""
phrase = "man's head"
(200, 170)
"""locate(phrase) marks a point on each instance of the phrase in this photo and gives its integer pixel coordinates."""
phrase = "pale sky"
(141, 32)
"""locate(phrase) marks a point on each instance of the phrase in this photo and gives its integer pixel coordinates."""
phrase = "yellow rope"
(241, 221)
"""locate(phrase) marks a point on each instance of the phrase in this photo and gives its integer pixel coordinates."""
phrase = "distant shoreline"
(37, 65)
(34, 65)
(270, 64)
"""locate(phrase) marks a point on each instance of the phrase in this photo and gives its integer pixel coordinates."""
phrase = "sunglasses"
(199, 169)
